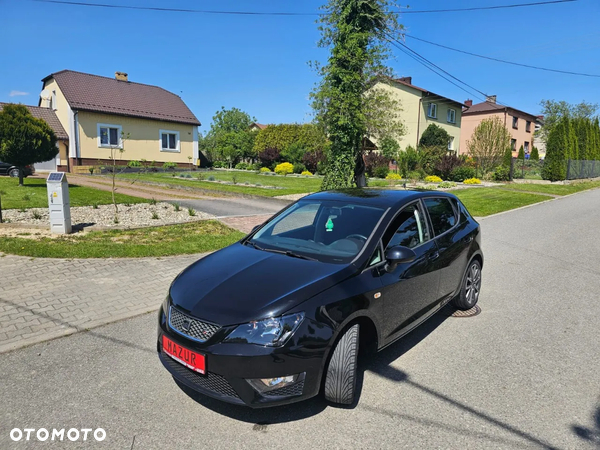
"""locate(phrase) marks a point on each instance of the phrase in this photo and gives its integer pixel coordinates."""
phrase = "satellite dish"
(46, 94)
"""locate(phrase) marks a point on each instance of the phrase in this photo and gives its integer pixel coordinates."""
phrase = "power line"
(434, 68)
(197, 11)
(256, 13)
(504, 61)
(481, 8)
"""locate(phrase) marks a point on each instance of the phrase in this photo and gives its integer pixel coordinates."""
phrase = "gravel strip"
(140, 214)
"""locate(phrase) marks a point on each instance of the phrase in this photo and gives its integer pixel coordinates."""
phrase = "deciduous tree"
(488, 143)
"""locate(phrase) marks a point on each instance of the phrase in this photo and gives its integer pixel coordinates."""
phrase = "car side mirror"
(398, 255)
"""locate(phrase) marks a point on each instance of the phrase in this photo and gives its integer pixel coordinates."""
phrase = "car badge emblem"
(186, 325)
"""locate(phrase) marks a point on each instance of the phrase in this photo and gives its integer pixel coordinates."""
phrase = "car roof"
(376, 197)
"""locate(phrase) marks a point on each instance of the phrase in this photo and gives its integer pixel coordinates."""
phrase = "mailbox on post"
(58, 203)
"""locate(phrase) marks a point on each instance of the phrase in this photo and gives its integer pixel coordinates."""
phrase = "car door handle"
(434, 255)
(468, 239)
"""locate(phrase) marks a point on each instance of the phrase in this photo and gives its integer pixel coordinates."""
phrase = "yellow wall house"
(96, 110)
(421, 108)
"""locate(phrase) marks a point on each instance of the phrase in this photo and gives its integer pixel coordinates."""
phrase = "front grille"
(211, 382)
(286, 391)
(197, 330)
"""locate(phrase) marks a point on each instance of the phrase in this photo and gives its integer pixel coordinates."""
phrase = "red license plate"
(182, 355)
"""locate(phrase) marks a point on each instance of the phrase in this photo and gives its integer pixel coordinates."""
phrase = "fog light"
(270, 384)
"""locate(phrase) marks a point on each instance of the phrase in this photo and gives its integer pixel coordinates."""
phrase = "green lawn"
(190, 238)
(34, 195)
(555, 189)
(287, 185)
(485, 201)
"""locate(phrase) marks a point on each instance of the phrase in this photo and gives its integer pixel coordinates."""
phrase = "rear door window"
(442, 214)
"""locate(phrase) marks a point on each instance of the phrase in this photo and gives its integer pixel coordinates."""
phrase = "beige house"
(100, 114)
(520, 125)
(421, 108)
(62, 138)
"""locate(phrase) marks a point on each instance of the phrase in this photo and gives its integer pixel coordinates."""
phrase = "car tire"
(340, 380)
(470, 288)
(13, 173)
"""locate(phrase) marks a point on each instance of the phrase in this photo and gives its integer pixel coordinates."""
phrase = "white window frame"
(451, 112)
(431, 106)
(451, 143)
(177, 148)
(119, 132)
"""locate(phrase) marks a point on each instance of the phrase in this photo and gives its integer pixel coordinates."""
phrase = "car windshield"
(326, 231)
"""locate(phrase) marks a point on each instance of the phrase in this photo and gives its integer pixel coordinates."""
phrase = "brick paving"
(42, 299)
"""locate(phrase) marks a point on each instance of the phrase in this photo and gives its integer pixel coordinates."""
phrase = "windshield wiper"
(296, 255)
(282, 252)
(254, 245)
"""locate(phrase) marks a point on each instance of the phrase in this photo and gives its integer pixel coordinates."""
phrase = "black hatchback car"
(13, 171)
(281, 315)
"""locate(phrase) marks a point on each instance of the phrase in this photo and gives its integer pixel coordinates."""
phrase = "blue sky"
(259, 63)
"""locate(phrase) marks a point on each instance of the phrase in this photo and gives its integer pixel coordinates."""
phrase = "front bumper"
(228, 366)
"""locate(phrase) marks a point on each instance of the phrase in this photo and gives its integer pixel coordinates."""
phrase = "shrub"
(429, 157)
(381, 171)
(408, 160)
(521, 154)
(269, 156)
(241, 166)
(306, 173)
(446, 185)
(373, 160)
(462, 173)
(433, 179)
(219, 164)
(299, 168)
(502, 173)
(312, 160)
(255, 166)
(191, 211)
(284, 168)
(535, 154)
(472, 181)
(154, 215)
(177, 206)
(293, 153)
(169, 165)
(264, 170)
(446, 165)
(415, 175)
(211, 178)
(134, 164)
(393, 177)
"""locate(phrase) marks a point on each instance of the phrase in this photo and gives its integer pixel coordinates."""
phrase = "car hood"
(239, 284)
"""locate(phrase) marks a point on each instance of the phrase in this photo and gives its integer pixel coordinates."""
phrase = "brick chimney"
(406, 79)
(469, 103)
(121, 76)
(491, 99)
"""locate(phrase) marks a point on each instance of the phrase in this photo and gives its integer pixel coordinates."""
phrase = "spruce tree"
(535, 155)
(521, 154)
(507, 158)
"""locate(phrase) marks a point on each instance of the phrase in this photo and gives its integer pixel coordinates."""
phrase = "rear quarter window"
(442, 214)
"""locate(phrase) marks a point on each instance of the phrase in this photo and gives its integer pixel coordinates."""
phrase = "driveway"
(522, 374)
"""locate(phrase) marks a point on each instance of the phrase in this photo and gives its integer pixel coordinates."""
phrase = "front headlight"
(272, 332)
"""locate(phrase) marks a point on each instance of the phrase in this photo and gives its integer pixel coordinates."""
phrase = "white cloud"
(17, 93)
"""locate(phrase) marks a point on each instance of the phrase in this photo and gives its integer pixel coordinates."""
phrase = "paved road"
(522, 374)
(228, 207)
